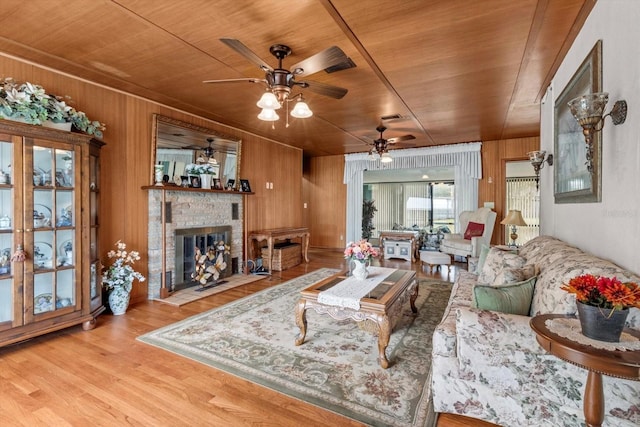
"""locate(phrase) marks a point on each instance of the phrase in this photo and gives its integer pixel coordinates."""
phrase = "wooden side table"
(255, 237)
(598, 362)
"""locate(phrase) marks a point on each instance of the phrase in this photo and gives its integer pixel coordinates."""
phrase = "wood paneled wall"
(492, 186)
(280, 166)
(326, 198)
(126, 161)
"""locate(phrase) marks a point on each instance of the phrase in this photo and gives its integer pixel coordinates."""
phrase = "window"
(416, 205)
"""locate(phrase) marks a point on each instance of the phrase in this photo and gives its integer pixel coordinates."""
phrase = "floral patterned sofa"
(488, 364)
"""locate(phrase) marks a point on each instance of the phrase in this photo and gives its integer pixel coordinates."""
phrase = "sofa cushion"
(474, 229)
(496, 261)
(512, 299)
(509, 276)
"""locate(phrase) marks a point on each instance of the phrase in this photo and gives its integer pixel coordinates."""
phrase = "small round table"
(620, 364)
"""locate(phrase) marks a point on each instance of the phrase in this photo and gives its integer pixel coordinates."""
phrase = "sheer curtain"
(465, 157)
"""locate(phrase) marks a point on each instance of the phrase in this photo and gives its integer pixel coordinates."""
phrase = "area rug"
(195, 293)
(336, 368)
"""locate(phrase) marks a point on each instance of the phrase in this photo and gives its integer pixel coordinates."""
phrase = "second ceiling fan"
(381, 145)
(280, 81)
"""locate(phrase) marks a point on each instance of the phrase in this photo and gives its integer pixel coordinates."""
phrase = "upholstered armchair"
(477, 229)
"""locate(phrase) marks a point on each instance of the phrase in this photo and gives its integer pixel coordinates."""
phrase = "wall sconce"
(588, 110)
(537, 160)
(514, 219)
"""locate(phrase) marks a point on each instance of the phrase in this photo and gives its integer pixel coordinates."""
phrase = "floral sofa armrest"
(493, 333)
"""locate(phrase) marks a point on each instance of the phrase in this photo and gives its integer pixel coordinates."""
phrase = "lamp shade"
(536, 156)
(591, 105)
(268, 101)
(301, 110)
(386, 158)
(268, 115)
(514, 217)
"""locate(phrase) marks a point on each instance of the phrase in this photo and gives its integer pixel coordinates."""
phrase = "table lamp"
(514, 219)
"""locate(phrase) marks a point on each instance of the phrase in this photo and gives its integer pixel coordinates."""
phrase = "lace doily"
(570, 329)
(347, 294)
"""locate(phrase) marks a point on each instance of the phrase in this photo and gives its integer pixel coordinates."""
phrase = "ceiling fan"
(280, 81)
(381, 145)
(207, 152)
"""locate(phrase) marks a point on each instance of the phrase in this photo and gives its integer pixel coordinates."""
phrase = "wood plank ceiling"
(454, 71)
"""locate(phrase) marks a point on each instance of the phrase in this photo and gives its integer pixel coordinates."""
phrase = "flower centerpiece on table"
(603, 305)
(362, 251)
(209, 265)
(604, 292)
(120, 275)
(31, 103)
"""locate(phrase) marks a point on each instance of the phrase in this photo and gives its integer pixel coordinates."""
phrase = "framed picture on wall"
(244, 186)
(573, 182)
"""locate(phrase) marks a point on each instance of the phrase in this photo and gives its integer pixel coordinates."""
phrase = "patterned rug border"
(245, 372)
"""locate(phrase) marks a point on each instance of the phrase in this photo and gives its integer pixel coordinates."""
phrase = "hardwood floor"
(105, 377)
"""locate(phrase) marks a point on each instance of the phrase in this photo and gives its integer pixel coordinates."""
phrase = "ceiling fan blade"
(400, 138)
(318, 62)
(325, 89)
(239, 47)
(243, 79)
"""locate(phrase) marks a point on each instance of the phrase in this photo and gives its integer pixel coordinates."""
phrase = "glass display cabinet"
(49, 259)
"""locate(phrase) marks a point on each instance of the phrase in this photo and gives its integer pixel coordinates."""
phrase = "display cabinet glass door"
(51, 235)
(95, 284)
(9, 309)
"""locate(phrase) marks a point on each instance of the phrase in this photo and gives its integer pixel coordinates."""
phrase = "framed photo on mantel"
(244, 186)
(573, 183)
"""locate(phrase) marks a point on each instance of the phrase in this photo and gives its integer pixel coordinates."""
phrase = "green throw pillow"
(511, 299)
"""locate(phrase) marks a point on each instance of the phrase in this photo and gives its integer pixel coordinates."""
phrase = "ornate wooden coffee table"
(382, 307)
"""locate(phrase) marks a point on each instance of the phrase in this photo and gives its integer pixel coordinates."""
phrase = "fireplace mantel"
(188, 208)
(171, 187)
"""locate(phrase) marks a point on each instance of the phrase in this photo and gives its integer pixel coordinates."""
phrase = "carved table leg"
(414, 296)
(384, 334)
(301, 320)
(594, 400)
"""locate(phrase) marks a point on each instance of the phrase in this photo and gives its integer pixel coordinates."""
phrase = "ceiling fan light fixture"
(386, 158)
(268, 115)
(301, 110)
(268, 101)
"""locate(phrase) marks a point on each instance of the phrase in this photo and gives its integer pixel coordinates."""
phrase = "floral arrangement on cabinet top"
(31, 103)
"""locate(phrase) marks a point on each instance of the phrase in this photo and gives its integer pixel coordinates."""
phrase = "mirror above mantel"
(175, 144)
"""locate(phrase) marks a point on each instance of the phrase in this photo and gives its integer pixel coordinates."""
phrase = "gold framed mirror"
(177, 144)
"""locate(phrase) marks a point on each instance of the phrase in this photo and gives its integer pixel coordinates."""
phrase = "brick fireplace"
(188, 213)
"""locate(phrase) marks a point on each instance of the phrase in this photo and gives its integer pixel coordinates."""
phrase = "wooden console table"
(255, 237)
(598, 362)
(407, 236)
